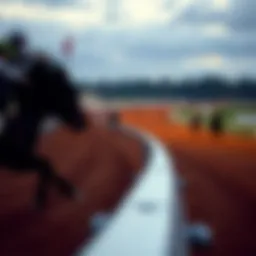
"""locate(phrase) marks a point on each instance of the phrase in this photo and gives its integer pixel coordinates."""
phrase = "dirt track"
(220, 173)
(221, 176)
(221, 192)
(101, 162)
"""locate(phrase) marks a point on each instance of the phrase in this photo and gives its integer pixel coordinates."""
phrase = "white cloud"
(143, 11)
(215, 30)
(208, 62)
(133, 38)
(220, 5)
(70, 15)
(81, 13)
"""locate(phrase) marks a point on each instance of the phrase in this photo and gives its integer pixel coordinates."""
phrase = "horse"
(48, 92)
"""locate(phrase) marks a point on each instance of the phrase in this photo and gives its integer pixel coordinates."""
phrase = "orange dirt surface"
(102, 162)
(221, 179)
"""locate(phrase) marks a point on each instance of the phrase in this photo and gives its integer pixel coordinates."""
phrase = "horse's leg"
(47, 176)
(20, 163)
(44, 172)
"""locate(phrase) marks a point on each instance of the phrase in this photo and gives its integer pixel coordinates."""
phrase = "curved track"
(221, 179)
(102, 162)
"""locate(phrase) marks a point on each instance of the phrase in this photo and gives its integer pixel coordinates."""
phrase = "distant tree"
(208, 87)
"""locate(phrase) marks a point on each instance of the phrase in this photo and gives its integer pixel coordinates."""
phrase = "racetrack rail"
(149, 221)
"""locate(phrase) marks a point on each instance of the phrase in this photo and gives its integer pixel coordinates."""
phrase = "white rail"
(149, 220)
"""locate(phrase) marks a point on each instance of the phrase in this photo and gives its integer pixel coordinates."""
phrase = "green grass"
(230, 114)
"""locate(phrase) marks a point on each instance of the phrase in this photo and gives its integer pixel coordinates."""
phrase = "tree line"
(204, 88)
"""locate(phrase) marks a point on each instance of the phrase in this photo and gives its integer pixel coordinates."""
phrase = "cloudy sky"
(142, 38)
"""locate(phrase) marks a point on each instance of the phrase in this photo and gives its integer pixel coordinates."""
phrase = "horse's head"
(67, 105)
(58, 95)
(68, 109)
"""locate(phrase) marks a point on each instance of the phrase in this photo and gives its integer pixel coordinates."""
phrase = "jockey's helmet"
(17, 40)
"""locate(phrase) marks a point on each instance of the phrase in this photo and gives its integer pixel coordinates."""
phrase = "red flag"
(68, 46)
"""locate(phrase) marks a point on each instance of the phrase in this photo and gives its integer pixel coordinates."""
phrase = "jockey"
(5, 74)
(14, 62)
(17, 66)
(13, 56)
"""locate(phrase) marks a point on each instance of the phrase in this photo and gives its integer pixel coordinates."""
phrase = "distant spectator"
(216, 123)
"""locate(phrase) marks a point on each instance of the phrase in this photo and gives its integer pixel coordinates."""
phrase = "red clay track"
(102, 162)
(221, 176)
(221, 191)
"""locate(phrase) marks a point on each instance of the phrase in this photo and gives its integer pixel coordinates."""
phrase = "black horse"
(48, 92)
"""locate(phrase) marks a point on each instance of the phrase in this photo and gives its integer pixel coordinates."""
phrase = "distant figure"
(216, 123)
